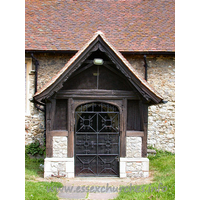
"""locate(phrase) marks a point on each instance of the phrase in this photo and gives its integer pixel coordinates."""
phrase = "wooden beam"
(118, 73)
(62, 94)
(59, 133)
(145, 127)
(81, 70)
(52, 112)
(49, 142)
(123, 123)
(115, 71)
(70, 146)
(134, 133)
(96, 92)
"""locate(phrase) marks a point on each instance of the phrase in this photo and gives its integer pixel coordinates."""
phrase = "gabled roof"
(99, 41)
(131, 25)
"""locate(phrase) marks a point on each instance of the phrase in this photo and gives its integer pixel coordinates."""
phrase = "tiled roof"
(131, 25)
(75, 57)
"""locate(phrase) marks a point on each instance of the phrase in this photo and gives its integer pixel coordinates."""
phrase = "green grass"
(163, 166)
(36, 190)
(32, 168)
(41, 190)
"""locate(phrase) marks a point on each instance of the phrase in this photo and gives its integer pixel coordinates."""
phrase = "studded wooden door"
(97, 140)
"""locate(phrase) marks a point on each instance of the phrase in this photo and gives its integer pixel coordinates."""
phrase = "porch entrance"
(97, 140)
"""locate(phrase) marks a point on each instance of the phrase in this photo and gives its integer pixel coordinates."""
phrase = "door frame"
(121, 104)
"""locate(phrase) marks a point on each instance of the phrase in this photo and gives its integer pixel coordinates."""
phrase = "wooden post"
(145, 127)
(52, 112)
(70, 146)
(123, 122)
(49, 142)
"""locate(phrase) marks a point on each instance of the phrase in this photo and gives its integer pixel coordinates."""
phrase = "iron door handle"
(117, 158)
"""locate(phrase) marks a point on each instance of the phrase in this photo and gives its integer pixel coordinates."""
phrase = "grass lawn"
(34, 189)
(163, 187)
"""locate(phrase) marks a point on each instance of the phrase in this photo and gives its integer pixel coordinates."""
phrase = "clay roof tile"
(128, 24)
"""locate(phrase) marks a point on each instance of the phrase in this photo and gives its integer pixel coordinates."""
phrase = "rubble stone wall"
(161, 75)
(161, 118)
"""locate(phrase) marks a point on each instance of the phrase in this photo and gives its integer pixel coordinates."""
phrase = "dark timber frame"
(141, 94)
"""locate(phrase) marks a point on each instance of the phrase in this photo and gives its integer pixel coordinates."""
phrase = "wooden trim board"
(134, 133)
(59, 133)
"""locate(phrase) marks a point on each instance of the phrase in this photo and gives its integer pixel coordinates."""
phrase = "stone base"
(134, 167)
(65, 166)
(129, 167)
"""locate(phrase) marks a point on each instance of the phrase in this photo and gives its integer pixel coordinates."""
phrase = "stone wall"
(49, 65)
(161, 128)
(133, 147)
(161, 75)
(59, 166)
(60, 146)
(34, 119)
(161, 120)
(134, 167)
(34, 127)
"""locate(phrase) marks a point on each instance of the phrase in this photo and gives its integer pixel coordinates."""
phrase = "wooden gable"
(116, 74)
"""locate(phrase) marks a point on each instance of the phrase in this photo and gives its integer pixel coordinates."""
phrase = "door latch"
(117, 158)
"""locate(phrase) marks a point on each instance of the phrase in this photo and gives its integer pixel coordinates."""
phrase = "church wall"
(161, 75)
